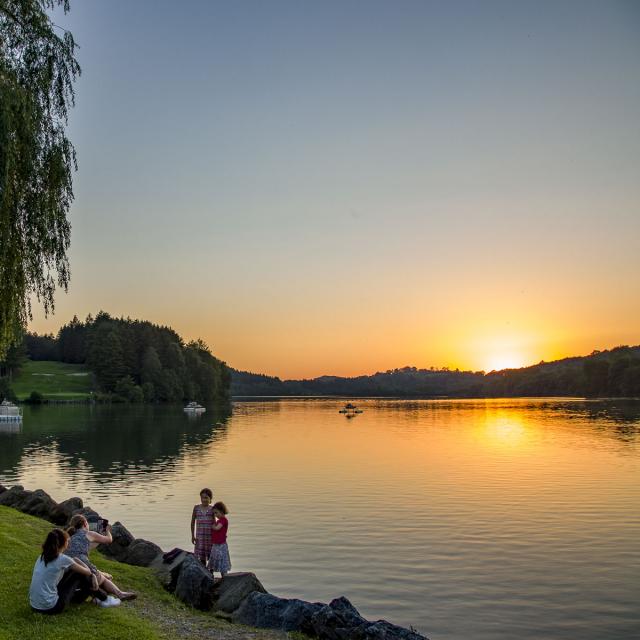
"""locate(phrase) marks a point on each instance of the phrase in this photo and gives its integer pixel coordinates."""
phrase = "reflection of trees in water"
(619, 417)
(113, 439)
(257, 406)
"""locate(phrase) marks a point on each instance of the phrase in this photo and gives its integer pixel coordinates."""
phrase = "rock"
(3, 488)
(37, 503)
(142, 553)
(270, 612)
(194, 584)
(335, 620)
(163, 570)
(118, 549)
(383, 630)
(14, 497)
(62, 512)
(340, 620)
(233, 589)
(87, 512)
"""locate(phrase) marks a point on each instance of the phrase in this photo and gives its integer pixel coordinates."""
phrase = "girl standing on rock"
(201, 524)
(219, 558)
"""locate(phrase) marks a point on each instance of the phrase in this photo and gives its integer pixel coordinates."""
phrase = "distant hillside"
(614, 373)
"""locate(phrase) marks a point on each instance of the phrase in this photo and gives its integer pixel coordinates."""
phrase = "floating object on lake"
(194, 408)
(9, 412)
(350, 409)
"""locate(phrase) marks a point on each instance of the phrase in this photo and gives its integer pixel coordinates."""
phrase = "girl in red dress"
(219, 559)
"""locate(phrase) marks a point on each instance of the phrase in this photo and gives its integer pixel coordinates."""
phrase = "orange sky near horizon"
(301, 346)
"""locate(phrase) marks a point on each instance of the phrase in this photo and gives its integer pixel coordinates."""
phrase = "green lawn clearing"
(54, 380)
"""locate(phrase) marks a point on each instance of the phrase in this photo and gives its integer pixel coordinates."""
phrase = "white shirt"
(43, 593)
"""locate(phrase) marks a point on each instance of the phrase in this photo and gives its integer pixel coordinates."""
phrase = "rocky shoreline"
(240, 597)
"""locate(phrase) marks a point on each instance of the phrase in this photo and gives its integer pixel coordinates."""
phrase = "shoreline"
(239, 598)
(243, 398)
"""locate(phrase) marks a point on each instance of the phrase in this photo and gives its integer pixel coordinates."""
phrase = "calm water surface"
(495, 519)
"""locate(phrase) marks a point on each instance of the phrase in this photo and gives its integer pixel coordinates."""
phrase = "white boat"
(194, 407)
(9, 412)
(350, 409)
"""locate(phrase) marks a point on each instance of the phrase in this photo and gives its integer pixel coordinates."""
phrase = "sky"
(348, 187)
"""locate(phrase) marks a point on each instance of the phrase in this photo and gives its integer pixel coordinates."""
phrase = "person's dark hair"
(55, 540)
(76, 523)
(221, 506)
(207, 492)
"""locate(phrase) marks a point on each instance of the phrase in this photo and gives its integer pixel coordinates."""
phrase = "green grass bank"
(156, 614)
(53, 380)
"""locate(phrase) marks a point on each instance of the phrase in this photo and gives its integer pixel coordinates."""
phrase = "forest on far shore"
(613, 373)
(131, 360)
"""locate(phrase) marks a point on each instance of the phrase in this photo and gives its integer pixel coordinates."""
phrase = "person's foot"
(111, 601)
(128, 595)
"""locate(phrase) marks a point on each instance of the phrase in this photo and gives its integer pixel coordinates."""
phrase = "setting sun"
(506, 361)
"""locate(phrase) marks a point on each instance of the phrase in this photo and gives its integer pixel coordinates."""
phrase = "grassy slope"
(54, 380)
(20, 539)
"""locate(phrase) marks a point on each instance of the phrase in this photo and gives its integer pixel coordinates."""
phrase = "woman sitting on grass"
(58, 580)
(79, 544)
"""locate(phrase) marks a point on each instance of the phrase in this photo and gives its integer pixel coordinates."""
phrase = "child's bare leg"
(111, 587)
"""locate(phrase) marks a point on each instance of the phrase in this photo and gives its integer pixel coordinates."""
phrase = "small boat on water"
(350, 409)
(194, 408)
(9, 412)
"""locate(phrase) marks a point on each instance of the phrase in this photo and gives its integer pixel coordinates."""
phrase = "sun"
(501, 361)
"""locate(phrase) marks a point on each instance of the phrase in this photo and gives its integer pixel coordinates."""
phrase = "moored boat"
(10, 412)
(194, 407)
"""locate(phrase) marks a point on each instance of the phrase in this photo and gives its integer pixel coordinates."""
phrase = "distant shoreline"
(249, 398)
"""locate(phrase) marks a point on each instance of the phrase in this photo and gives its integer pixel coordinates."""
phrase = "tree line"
(613, 373)
(135, 360)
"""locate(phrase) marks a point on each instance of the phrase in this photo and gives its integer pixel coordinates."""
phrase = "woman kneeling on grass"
(58, 580)
(79, 544)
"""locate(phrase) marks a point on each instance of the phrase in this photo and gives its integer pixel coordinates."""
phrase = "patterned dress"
(204, 522)
(79, 546)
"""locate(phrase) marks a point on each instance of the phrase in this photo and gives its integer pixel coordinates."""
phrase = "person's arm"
(99, 538)
(217, 525)
(193, 524)
(80, 567)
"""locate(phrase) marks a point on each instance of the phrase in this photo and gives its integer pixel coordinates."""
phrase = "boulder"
(14, 496)
(383, 630)
(38, 503)
(340, 620)
(193, 583)
(270, 612)
(122, 539)
(142, 553)
(62, 512)
(164, 570)
(335, 620)
(91, 515)
(3, 488)
(233, 589)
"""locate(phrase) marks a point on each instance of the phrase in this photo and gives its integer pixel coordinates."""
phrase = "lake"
(483, 519)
